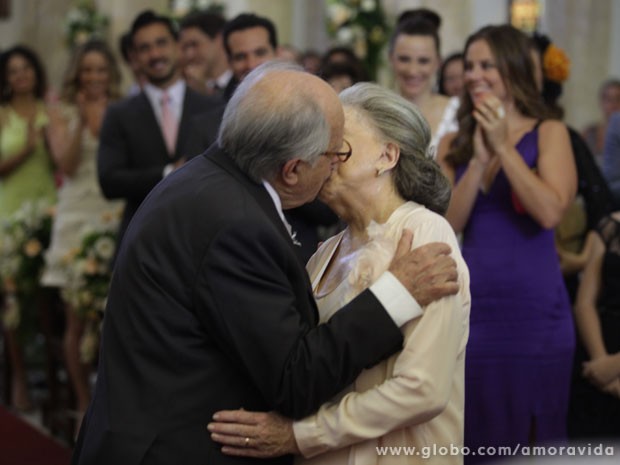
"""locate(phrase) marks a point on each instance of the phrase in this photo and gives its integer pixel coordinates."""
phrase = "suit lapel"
(188, 101)
(145, 110)
(262, 197)
(258, 192)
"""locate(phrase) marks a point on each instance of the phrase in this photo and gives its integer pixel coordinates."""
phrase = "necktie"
(168, 123)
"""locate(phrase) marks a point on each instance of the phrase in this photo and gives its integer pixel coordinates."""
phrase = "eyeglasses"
(342, 156)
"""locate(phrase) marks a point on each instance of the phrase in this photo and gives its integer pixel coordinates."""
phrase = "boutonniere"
(294, 239)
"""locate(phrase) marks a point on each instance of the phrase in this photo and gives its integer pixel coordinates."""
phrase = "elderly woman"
(415, 398)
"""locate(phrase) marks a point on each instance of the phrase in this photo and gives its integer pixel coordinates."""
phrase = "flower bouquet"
(24, 236)
(90, 271)
(361, 25)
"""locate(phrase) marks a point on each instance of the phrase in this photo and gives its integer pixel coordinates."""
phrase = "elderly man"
(210, 308)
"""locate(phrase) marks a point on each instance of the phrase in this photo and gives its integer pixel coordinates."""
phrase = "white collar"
(278, 204)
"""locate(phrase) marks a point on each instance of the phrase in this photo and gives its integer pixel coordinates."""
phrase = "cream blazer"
(412, 402)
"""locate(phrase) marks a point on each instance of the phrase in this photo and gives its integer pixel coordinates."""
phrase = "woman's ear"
(389, 157)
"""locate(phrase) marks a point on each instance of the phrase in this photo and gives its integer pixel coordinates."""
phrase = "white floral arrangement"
(84, 22)
(89, 275)
(24, 236)
(361, 25)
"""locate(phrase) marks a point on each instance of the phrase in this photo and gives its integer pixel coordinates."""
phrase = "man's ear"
(289, 173)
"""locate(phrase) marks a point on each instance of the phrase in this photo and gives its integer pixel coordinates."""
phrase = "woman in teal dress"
(25, 165)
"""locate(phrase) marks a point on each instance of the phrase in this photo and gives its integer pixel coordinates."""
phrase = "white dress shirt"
(176, 93)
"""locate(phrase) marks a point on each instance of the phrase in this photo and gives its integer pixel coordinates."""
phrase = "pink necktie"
(168, 123)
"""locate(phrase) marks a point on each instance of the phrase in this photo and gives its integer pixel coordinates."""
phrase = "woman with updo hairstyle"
(90, 84)
(386, 182)
(415, 58)
(514, 178)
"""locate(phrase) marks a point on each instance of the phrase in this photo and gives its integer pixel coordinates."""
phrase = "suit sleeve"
(246, 291)
(418, 390)
(119, 175)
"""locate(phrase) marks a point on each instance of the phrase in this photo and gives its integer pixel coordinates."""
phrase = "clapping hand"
(491, 117)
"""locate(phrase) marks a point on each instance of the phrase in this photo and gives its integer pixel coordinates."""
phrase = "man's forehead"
(256, 33)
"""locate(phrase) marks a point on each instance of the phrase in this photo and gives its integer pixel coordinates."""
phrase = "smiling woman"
(415, 59)
(514, 177)
(90, 84)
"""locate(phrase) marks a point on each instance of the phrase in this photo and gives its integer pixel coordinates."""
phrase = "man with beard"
(143, 137)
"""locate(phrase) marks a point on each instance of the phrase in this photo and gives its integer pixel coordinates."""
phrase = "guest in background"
(91, 82)
(416, 396)
(129, 58)
(144, 138)
(342, 54)
(310, 60)
(594, 199)
(450, 81)
(514, 177)
(595, 396)
(287, 52)
(611, 157)
(249, 41)
(340, 75)
(609, 101)
(414, 52)
(204, 62)
(26, 171)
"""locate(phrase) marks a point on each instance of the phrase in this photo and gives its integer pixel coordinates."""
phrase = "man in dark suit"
(143, 138)
(249, 41)
(210, 308)
(205, 64)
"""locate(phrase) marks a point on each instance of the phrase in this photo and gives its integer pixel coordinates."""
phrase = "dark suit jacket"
(204, 128)
(132, 151)
(209, 309)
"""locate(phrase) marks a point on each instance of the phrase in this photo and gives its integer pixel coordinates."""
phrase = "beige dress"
(413, 399)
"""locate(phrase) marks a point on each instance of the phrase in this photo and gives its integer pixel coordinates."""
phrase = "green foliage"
(361, 25)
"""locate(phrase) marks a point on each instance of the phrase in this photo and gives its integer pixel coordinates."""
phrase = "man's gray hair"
(417, 176)
(263, 130)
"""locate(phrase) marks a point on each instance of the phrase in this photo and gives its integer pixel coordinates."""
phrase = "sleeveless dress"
(594, 413)
(33, 179)
(415, 397)
(519, 355)
(81, 206)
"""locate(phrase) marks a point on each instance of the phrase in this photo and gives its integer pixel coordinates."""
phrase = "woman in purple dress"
(514, 176)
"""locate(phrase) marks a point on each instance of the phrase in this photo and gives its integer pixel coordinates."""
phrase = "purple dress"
(521, 341)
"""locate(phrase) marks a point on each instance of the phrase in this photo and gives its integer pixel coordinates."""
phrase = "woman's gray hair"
(262, 130)
(417, 176)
